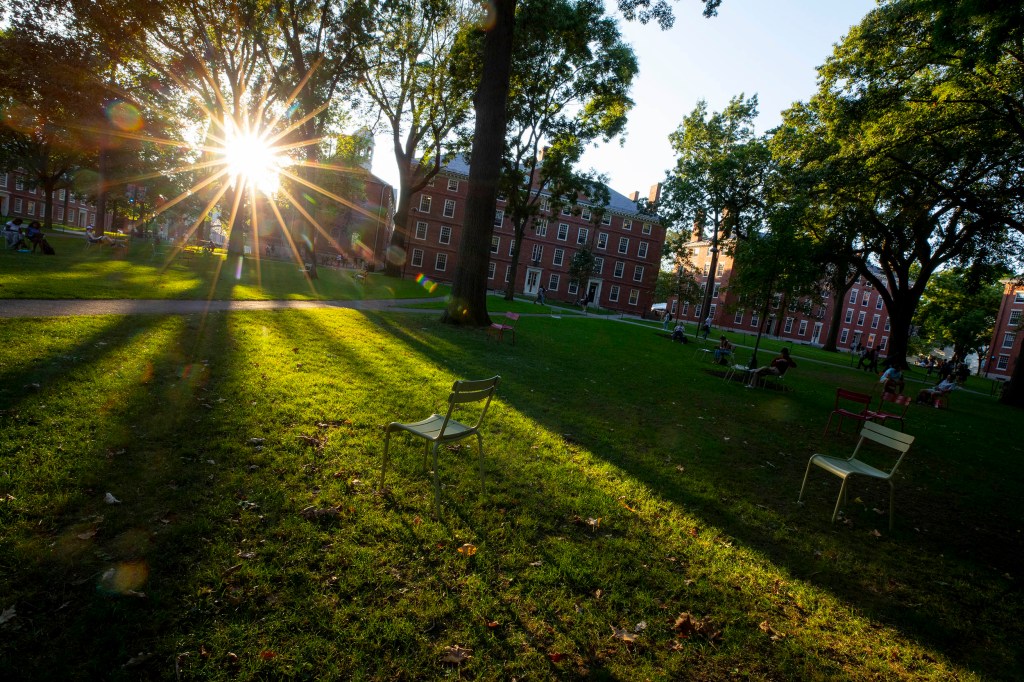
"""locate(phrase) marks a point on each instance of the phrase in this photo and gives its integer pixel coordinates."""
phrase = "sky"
(768, 47)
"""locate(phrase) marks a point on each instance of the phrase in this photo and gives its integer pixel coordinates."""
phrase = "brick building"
(627, 245)
(1005, 347)
(19, 200)
(864, 320)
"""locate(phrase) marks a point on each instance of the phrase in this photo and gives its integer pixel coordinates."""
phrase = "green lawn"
(93, 273)
(627, 484)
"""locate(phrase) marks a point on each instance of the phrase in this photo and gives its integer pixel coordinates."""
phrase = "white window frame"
(606, 219)
(582, 235)
(425, 203)
(553, 281)
(861, 316)
(559, 257)
(499, 217)
(445, 235)
(540, 226)
(1014, 319)
(620, 269)
(788, 328)
(843, 336)
(638, 273)
(453, 185)
(602, 240)
(495, 243)
(641, 250)
(598, 265)
(646, 229)
(854, 293)
(538, 253)
(627, 225)
(441, 261)
(623, 245)
(613, 293)
(874, 320)
(563, 232)
(1008, 339)
(585, 214)
(421, 230)
(417, 258)
(491, 268)
(511, 246)
(634, 296)
(738, 317)
(866, 298)
(802, 329)
(573, 288)
(849, 316)
(1003, 362)
(449, 208)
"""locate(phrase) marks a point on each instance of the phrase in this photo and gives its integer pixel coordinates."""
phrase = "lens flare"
(426, 283)
(125, 116)
(253, 161)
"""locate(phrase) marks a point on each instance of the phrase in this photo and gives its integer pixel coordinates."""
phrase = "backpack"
(47, 249)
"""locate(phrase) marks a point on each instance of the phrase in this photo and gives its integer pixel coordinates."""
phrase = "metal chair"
(498, 329)
(437, 428)
(881, 416)
(844, 407)
(844, 468)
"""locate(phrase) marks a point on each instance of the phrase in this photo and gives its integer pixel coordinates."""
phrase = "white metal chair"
(437, 428)
(844, 468)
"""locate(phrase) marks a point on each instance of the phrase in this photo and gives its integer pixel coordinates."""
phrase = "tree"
(581, 268)
(468, 302)
(959, 308)
(719, 175)
(571, 76)
(681, 283)
(418, 71)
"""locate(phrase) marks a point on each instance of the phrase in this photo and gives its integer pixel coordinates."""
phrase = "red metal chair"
(498, 329)
(846, 404)
(881, 416)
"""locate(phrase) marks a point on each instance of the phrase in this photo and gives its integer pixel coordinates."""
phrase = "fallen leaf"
(268, 655)
(688, 627)
(594, 523)
(137, 659)
(231, 658)
(87, 535)
(680, 467)
(232, 569)
(417, 521)
(493, 624)
(627, 506)
(875, 533)
(456, 654)
(110, 499)
(624, 635)
(597, 593)
(693, 532)
(555, 658)
(536, 563)
(7, 615)
(640, 627)
(469, 549)
(768, 629)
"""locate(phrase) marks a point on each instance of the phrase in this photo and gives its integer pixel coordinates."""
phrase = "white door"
(816, 334)
(532, 281)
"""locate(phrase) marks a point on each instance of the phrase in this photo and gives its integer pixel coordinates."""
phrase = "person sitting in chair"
(101, 239)
(892, 379)
(777, 367)
(12, 235)
(723, 352)
(928, 396)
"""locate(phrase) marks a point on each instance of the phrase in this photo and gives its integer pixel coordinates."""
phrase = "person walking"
(707, 327)
(666, 321)
(540, 296)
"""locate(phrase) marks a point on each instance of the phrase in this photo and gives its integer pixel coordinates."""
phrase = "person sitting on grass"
(679, 333)
(928, 396)
(779, 365)
(102, 239)
(723, 352)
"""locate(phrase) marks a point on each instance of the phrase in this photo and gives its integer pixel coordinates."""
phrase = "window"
(646, 229)
(707, 268)
(638, 273)
(720, 270)
(563, 232)
(60, 213)
(602, 240)
(541, 226)
(853, 296)
(878, 303)
(508, 273)
(496, 243)
(425, 204)
(754, 320)
(788, 329)
(623, 245)
(511, 247)
(871, 340)
(553, 282)
(490, 270)
(711, 310)
(1014, 318)
(31, 208)
(446, 235)
(1018, 297)
(421, 229)
(441, 262)
(634, 296)
(499, 217)
(430, 183)
(60, 194)
(776, 301)
(574, 287)
(449, 208)
(866, 299)
(1004, 361)
(453, 185)
(606, 219)
(802, 331)
(849, 316)
(582, 235)
(641, 250)
(627, 225)
(545, 205)
(885, 341)
(686, 308)
(538, 253)
(19, 183)
(32, 190)
(874, 321)
(71, 217)
(18, 204)
(92, 218)
(501, 197)
(598, 265)
(566, 210)
(620, 267)
(417, 258)
(845, 334)
(886, 324)
(714, 292)
(675, 303)
(696, 312)
(559, 257)
(586, 214)
(860, 319)
(3, 182)
(738, 317)
(1008, 339)
(613, 293)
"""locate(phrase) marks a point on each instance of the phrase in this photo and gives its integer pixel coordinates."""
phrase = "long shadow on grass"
(933, 625)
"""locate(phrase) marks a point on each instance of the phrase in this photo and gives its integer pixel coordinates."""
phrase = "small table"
(731, 372)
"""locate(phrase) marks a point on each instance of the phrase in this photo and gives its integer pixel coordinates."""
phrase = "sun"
(253, 161)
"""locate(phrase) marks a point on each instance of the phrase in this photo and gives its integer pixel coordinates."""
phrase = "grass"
(101, 273)
(627, 484)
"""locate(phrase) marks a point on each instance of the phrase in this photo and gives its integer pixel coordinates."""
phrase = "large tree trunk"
(48, 204)
(832, 340)
(468, 302)
(102, 169)
(397, 256)
(1013, 392)
(520, 232)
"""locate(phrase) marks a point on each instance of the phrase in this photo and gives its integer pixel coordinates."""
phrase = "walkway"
(70, 307)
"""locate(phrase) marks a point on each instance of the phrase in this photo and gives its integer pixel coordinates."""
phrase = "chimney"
(655, 193)
(634, 196)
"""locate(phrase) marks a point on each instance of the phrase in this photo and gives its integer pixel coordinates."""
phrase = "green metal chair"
(844, 468)
(437, 428)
